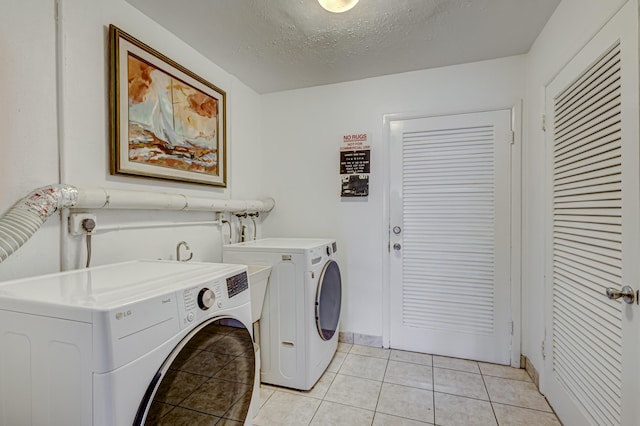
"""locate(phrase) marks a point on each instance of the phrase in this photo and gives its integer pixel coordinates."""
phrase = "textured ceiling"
(274, 45)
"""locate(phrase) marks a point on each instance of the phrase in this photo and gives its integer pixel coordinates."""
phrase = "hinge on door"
(544, 122)
(542, 349)
(512, 328)
(513, 137)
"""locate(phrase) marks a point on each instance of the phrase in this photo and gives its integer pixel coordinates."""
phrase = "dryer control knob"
(206, 299)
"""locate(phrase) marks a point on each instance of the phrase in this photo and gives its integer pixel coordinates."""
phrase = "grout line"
(380, 391)
(315, 412)
(526, 408)
(433, 392)
(433, 386)
(364, 378)
(460, 371)
(462, 396)
(489, 396)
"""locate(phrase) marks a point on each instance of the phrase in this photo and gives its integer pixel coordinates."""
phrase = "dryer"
(301, 310)
(142, 342)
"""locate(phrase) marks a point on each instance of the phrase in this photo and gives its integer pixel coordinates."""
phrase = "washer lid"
(106, 287)
(280, 244)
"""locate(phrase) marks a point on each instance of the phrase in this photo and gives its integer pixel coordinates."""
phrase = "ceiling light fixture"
(338, 6)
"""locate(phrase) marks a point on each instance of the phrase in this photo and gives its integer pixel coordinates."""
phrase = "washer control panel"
(318, 256)
(198, 300)
(237, 284)
(212, 297)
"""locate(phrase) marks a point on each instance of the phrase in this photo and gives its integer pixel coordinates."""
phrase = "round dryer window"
(328, 300)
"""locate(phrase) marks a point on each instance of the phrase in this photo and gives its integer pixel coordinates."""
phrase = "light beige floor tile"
(344, 347)
(405, 373)
(222, 422)
(452, 410)
(413, 357)
(504, 371)
(515, 392)
(354, 391)
(363, 366)
(265, 394)
(370, 351)
(381, 419)
(516, 416)
(319, 390)
(287, 409)
(334, 414)
(336, 362)
(407, 402)
(459, 383)
(456, 364)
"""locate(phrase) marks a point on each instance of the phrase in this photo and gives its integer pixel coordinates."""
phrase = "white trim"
(516, 235)
(386, 287)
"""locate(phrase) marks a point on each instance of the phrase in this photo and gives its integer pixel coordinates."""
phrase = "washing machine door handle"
(328, 300)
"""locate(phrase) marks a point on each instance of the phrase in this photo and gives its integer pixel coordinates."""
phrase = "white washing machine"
(301, 311)
(144, 342)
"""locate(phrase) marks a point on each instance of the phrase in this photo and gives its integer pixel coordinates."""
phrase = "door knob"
(397, 246)
(627, 294)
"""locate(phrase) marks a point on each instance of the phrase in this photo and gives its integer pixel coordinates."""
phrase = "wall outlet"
(75, 222)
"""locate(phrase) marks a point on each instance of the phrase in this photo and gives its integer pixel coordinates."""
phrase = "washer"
(126, 344)
(301, 310)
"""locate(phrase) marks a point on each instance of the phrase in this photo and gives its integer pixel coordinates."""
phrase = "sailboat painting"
(170, 124)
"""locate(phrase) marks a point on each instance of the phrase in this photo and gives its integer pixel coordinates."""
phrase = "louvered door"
(450, 240)
(593, 171)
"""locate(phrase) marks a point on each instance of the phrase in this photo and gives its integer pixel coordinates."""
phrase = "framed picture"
(166, 122)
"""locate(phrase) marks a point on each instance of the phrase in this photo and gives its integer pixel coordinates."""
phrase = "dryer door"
(208, 377)
(328, 300)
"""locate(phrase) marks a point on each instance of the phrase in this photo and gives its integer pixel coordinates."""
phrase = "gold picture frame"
(166, 122)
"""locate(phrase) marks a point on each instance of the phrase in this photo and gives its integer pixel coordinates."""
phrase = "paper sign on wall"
(355, 161)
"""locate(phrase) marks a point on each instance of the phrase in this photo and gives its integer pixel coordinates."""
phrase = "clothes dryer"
(144, 342)
(301, 311)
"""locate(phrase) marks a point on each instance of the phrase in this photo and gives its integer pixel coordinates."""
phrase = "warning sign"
(354, 162)
(355, 165)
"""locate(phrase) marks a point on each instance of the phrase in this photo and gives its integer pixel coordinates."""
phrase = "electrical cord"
(88, 225)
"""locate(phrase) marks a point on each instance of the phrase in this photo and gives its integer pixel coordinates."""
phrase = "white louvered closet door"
(592, 348)
(450, 240)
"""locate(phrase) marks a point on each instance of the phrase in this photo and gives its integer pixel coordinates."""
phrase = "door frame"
(630, 115)
(516, 219)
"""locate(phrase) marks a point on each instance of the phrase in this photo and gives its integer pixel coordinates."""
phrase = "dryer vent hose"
(22, 220)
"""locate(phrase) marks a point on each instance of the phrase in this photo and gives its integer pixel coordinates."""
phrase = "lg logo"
(123, 314)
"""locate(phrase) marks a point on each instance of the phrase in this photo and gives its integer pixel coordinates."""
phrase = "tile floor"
(372, 386)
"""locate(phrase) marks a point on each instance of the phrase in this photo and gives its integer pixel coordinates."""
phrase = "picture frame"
(166, 122)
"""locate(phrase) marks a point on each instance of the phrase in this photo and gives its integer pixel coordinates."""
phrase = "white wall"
(30, 158)
(303, 131)
(571, 26)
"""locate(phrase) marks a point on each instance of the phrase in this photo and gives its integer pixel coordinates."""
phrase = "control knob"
(206, 299)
